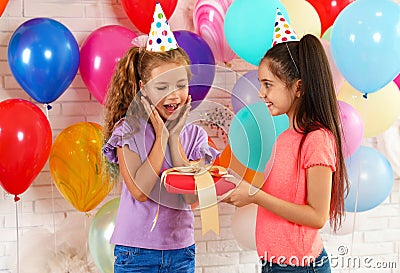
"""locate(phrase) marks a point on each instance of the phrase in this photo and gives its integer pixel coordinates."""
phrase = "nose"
(262, 93)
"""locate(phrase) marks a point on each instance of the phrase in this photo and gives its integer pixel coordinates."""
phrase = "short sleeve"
(121, 136)
(196, 142)
(319, 149)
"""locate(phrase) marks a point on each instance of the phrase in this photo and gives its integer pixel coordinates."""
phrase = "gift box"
(181, 180)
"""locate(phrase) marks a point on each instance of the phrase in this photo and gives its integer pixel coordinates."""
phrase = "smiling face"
(168, 88)
(279, 98)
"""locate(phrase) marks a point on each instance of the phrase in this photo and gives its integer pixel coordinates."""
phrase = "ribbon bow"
(205, 188)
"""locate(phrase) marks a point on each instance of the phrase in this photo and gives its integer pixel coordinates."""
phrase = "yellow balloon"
(378, 111)
(304, 18)
(78, 167)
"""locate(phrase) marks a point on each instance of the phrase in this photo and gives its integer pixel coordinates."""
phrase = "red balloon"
(3, 4)
(140, 12)
(328, 10)
(25, 143)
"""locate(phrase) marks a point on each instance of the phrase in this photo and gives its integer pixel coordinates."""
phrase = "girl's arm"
(313, 214)
(139, 177)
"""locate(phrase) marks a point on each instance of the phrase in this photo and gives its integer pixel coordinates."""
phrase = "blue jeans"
(321, 265)
(141, 260)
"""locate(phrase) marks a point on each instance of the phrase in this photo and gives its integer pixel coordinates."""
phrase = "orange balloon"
(78, 168)
(228, 160)
(3, 4)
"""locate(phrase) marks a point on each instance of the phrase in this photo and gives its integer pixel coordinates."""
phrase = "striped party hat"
(161, 38)
(283, 32)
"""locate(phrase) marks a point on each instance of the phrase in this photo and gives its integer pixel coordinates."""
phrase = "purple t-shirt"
(174, 228)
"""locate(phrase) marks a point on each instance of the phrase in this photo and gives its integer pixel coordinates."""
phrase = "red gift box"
(182, 181)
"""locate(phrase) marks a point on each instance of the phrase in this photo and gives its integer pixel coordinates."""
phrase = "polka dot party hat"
(161, 37)
(283, 32)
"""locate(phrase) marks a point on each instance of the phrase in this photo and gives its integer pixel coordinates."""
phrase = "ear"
(141, 88)
(299, 90)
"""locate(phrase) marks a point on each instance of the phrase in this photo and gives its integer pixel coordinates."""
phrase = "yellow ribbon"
(206, 192)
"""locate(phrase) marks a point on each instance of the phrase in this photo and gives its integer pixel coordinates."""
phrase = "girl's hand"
(175, 125)
(155, 118)
(242, 195)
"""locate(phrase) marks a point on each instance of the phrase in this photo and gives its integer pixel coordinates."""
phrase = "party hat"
(283, 32)
(161, 37)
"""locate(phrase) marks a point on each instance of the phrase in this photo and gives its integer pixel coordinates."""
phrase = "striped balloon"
(208, 18)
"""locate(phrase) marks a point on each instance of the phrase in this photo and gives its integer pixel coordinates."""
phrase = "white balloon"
(244, 226)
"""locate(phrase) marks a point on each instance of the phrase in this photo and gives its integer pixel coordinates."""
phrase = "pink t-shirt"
(277, 239)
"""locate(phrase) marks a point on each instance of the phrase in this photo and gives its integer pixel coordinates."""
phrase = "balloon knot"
(48, 106)
(365, 96)
(16, 198)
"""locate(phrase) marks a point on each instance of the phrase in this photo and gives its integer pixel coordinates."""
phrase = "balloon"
(25, 143)
(328, 10)
(244, 226)
(141, 12)
(43, 56)
(3, 5)
(378, 111)
(371, 179)
(337, 77)
(252, 136)
(245, 92)
(327, 34)
(78, 168)
(350, 222)
(98, 57)
(352, 130)
(100, 232)
(249, 28)
(208, 18)
(397, 81)
(304, 18)
(202, 63)
(364, 42)
(228, 160)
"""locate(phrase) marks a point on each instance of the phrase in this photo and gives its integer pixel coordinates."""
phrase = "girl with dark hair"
(306, 179)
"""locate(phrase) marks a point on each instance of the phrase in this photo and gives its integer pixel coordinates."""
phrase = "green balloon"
(327, 34)
(100, 233)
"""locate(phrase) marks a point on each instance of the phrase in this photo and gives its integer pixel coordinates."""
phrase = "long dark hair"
(317, 107)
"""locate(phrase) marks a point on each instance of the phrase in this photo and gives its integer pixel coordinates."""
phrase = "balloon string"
(54, 218)
(47, 107)
(358, 181)
(17, 224)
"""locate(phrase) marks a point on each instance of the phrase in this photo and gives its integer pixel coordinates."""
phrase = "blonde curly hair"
(136, 65)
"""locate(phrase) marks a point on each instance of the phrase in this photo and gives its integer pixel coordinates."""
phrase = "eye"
(267, 85)
(161, 87)
(181, 85)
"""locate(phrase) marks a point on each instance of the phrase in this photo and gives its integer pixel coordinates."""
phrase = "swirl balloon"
(208, 19)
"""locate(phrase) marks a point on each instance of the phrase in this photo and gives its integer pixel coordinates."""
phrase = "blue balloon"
(371, 179)
(43, 56)
(252, 136)
(202, 63)
(365, 43)
(249, 27)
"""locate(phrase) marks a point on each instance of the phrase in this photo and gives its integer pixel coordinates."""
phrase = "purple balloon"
(245, 91)
(203, 63)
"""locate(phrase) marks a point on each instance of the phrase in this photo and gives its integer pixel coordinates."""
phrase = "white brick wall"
(377, 233)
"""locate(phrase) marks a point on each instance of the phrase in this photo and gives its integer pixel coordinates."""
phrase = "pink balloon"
(338, 79)
(208, 19)
(100, 53)
(397, 81)
(353, 128)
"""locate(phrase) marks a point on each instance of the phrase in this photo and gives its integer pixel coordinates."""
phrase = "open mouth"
(171, 107)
